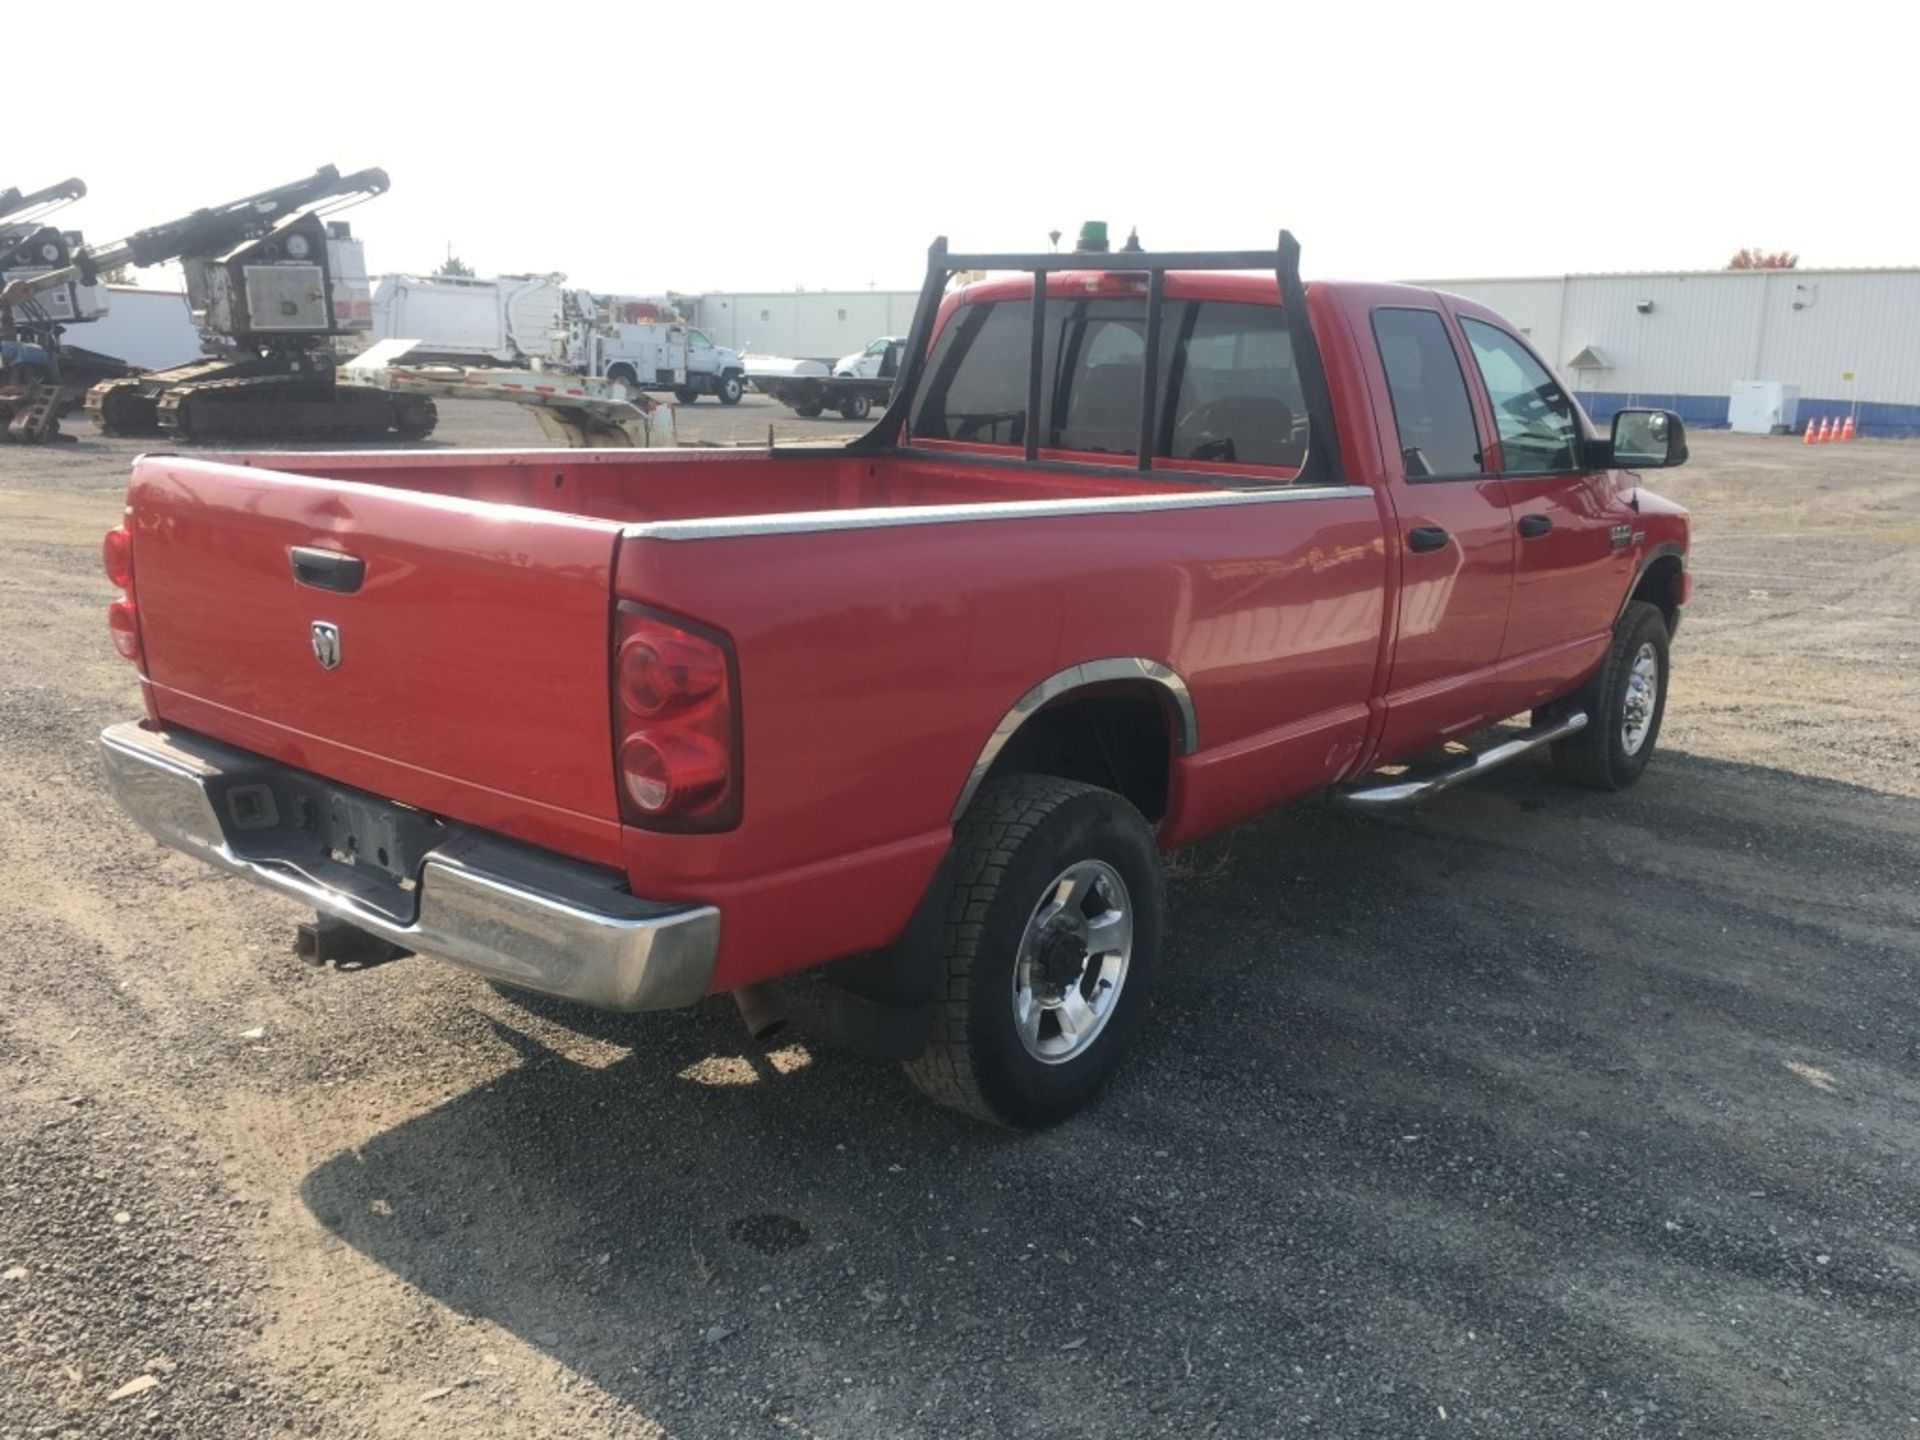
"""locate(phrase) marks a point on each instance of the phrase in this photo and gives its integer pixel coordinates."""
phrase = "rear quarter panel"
(875, 664)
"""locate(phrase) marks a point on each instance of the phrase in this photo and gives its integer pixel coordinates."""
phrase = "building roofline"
(1662, 275)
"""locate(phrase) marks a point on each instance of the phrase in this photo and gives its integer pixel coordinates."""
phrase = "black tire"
(1020, 836)
(1599, 756)
(732, 387)
(809, 411)
(686, 394)
(856, 407)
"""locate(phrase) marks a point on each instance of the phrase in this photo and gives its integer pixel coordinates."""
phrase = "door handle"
(1534, 526)
(1423, 538)
(326, 569)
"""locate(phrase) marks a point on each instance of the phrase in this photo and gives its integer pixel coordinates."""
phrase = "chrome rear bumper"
(513, 913)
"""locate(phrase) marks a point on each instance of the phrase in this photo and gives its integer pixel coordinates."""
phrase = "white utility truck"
(535, 321)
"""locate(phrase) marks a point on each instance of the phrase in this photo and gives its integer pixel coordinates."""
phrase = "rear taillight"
(116, 557)
(660, 673)
(124, 626)
(123, 621)
(676, 723)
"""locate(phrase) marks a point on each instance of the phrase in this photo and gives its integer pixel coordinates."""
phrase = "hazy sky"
(742, 145)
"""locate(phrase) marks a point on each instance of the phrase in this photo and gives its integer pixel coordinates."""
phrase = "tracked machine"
(262, 277)
(39, 378)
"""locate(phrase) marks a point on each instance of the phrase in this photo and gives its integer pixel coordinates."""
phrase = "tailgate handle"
(327, 569)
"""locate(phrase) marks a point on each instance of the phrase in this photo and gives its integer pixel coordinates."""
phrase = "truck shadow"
(1544, 1107)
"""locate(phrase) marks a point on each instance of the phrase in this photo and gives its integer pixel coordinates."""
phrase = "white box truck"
(461, 321)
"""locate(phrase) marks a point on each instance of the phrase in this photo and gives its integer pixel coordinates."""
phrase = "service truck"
(1144, 545)
(535, 320)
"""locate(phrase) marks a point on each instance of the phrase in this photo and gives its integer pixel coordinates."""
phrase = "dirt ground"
(1533, 1113)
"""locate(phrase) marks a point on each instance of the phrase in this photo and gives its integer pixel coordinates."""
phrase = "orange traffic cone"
(1846, 431)
(1825, 433)
(1807, 439)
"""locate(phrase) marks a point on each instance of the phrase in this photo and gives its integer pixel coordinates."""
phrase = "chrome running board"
(1409, 792)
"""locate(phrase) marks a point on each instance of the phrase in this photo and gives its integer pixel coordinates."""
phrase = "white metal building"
(1845, 338)
(810, 324)
(1848, 339)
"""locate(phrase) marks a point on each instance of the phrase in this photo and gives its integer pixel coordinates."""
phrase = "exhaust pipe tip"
(761, 1011)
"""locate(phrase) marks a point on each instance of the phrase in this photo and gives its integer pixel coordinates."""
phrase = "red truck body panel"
(862, 659)
(886, 611)
(473, 680)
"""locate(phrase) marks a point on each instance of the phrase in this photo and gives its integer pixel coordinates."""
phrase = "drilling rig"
(260, 274)
(21, 217)
(39, 377)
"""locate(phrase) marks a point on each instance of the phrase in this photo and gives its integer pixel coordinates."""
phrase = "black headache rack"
(1323, 445)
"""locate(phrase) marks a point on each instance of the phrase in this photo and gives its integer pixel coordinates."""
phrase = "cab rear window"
(1226, 390)
(977, 376)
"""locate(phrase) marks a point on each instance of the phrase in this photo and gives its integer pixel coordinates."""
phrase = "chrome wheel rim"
(1643, 694)
(1072, 962)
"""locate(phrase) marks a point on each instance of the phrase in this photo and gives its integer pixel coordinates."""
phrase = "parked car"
(1126, 561)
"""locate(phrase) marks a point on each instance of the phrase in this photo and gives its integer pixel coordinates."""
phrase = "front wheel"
(1625, 702)
(731, 389)
(1050, 940)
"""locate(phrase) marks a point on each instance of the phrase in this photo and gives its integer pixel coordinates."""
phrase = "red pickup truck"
(1144, 545)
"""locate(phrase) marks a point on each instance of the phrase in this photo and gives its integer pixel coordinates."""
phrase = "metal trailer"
(581, 412)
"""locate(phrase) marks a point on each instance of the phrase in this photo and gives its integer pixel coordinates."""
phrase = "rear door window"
(1539, 434)
(1431, 410)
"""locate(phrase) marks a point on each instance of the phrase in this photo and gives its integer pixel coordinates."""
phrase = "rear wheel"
(1051, 937)
(810, 411)
(1625, 702)
(856, 407)
(624, 374)
(686, 394)
(731, 389)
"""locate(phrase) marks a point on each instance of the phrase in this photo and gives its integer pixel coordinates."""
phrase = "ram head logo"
(326, 644)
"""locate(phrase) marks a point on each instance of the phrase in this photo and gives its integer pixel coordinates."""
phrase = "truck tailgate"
(469, 670)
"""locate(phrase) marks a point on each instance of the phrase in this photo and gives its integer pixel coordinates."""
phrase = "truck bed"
(472, 643)
(630, 488)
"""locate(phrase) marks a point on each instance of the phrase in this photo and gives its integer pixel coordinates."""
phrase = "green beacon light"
(1093, 237)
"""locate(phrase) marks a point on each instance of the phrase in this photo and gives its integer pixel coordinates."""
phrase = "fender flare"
(1186, 735)
(1666, 549)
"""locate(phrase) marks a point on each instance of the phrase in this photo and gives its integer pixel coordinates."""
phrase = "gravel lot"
(1534, 1113)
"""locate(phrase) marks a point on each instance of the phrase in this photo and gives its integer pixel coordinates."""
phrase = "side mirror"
(1648, 440)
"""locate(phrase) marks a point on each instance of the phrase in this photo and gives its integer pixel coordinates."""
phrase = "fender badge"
(326, 644)
(1622, 536)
